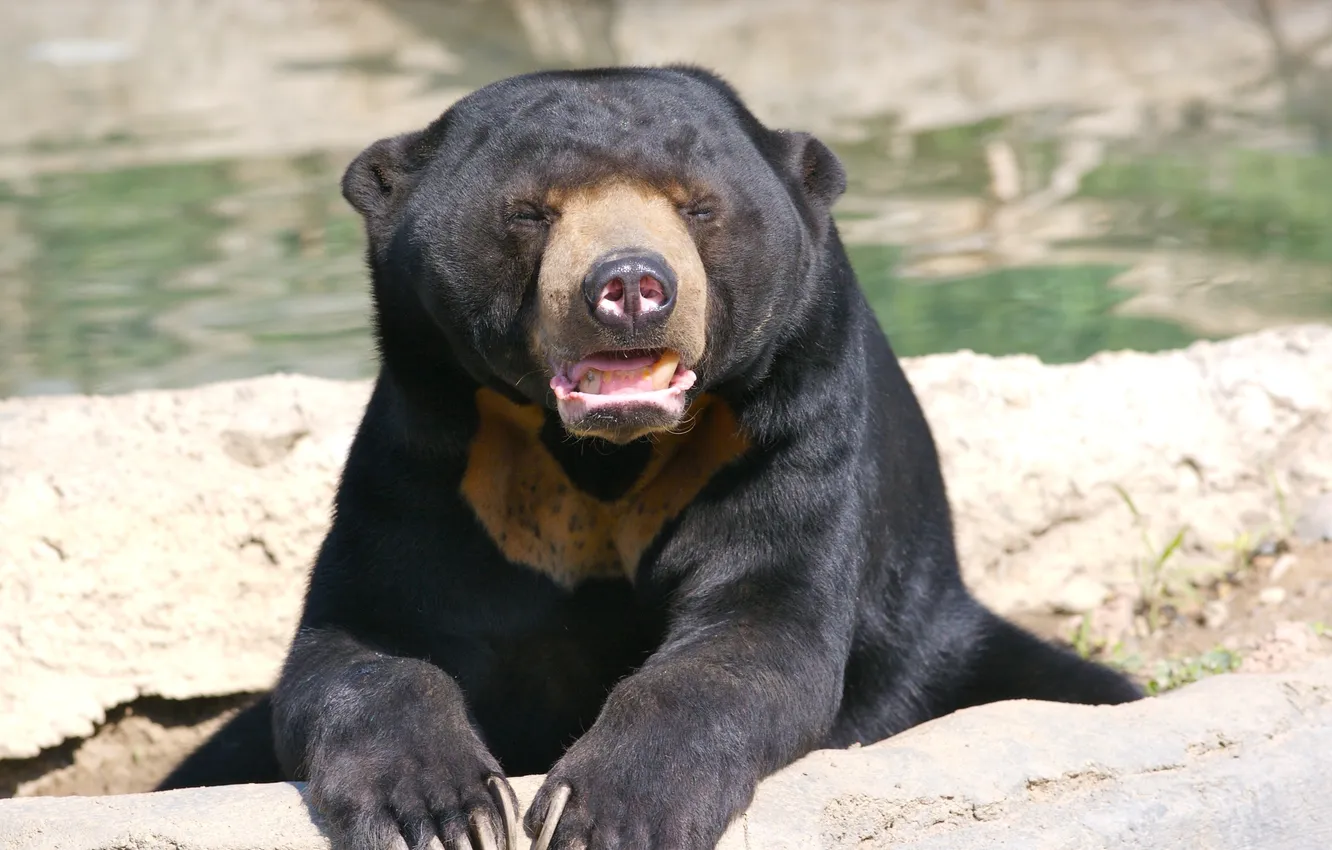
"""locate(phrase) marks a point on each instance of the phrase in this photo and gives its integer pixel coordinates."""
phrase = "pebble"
(1272, 595)
(1268, 547)
(1215, 614)
(1281, 567)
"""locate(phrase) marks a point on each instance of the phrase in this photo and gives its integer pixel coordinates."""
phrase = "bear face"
(608, 245)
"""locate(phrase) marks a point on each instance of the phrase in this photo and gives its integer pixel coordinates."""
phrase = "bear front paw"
(603, 804)
(385, 802)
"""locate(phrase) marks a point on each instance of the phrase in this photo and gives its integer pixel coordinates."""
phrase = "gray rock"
(1315, 521)
(157, 543)
(1225, 763)
(1236, 761)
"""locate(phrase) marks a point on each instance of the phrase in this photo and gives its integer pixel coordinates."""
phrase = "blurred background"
(1055, 177)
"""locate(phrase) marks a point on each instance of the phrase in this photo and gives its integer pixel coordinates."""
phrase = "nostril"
(614, 291)
(650, 290)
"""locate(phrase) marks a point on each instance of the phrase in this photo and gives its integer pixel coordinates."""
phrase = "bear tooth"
(664, 370)
(590, 382)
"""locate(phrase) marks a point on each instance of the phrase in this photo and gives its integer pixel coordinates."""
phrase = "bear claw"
(552, 819)
(485, 836)
(507, 813)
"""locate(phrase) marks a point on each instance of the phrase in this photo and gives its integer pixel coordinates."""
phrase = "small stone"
(1272, 595)
(1140, 627)
(1268, 547)
(1215, 614)
(1281, 567)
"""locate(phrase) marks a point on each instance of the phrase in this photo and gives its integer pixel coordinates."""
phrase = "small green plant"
(1172, 673)
(1085, 643)
(1321, 629)
(1241, 550)
(1089, 645)
(1122, 660)
(1150, 571)
(1283, 509)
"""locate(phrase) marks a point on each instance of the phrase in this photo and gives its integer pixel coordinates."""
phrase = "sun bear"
(641, 499)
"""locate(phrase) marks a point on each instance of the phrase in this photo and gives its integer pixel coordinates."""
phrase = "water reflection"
(171, 275)
(1026, 176)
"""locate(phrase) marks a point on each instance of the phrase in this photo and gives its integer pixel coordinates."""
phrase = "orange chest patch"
(537, 516)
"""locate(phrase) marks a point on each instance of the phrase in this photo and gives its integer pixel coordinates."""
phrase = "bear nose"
(630, 291)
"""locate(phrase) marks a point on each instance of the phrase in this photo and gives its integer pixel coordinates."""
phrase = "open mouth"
(612, 384)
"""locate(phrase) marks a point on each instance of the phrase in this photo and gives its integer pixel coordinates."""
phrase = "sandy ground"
(1266, 612)
(134, 749)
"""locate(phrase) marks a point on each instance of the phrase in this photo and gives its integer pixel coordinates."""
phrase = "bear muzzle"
(623, 299)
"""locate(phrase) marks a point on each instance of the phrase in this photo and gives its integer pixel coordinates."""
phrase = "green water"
(171, 275)
(175, 275)
(1061, 314)
(180, 272)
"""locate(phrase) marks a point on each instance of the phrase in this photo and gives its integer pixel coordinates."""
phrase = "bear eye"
(698, 211)
(524, 215)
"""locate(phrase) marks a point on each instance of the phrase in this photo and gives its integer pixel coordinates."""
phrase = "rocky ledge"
(155, 544)
(1235, 761)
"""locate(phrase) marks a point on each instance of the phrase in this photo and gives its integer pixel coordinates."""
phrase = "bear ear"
(817, 168)
(373, 176)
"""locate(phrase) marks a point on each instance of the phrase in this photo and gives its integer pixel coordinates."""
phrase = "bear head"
(606, 242)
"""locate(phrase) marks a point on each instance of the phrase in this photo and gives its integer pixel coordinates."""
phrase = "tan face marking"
(611, 217)
(537, 517)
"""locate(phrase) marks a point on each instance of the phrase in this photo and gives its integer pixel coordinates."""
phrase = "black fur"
(808, 597)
